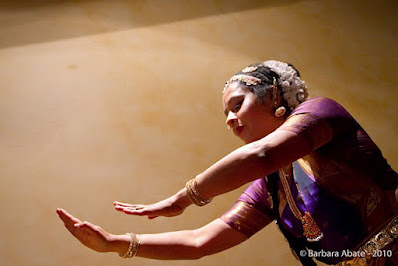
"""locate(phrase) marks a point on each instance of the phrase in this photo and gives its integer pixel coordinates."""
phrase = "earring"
(229, 127)
(280, 111)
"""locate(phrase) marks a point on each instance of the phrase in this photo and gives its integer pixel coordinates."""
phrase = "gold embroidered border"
(246, 219)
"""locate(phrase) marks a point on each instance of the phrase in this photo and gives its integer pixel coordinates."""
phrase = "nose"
(231, 119)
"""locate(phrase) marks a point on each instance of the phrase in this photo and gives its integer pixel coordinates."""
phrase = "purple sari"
(345, 183)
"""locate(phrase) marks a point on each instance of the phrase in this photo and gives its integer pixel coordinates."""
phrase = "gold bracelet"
(135, 242)
(194, 195)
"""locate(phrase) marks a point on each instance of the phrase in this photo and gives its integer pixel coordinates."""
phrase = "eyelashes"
(237, 106)
(234, 107)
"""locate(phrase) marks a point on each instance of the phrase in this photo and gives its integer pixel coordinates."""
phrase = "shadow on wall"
(26, 22)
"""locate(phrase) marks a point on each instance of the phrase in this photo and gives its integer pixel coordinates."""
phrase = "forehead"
(234, 89)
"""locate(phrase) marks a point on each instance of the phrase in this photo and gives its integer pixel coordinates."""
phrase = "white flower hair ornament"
(294, 90)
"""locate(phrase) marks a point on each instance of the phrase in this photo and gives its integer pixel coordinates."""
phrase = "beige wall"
(120, 100)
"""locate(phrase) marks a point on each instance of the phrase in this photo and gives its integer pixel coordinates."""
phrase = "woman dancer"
(315, 171)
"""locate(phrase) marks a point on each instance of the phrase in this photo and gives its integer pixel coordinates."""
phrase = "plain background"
(121, 100)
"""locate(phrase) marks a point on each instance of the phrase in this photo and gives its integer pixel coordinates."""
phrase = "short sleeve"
(319, 121)
(253, 210)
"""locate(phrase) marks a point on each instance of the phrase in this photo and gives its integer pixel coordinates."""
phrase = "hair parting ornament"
(249, 69)
(248, 80)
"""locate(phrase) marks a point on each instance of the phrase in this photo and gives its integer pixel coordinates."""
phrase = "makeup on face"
(249, 118)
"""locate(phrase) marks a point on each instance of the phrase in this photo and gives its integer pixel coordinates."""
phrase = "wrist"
(118, 243)
(182, 198)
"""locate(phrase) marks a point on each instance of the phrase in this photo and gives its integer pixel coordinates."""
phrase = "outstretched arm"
(189, 244)
(251, 162)
(243, 165)
(297, 137)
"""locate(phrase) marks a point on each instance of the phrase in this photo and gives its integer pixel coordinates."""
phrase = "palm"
(88, 234)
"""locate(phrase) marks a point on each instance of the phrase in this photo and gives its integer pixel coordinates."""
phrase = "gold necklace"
(310, 228)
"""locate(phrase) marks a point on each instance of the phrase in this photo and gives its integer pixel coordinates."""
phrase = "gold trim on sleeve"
(246, 219)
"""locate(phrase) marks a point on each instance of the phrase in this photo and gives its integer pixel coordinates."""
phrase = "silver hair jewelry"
(294, 90)
(248, 80)
(249, 69)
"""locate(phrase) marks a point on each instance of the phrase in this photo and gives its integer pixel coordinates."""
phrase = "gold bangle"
(194, 195)
(135, 242)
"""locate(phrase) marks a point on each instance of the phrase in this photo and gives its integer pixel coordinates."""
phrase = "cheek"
(262, 123)
(248, 112)
(257, 116)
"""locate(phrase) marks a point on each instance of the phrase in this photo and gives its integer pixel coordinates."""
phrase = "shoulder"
(326, 110)
(321, 106)
(319, 120)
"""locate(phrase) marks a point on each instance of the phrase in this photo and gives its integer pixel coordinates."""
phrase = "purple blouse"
(345, 183)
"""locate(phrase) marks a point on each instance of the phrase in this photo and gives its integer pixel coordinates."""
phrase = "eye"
(237, 106)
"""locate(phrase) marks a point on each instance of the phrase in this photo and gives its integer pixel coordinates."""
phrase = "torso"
(346, 185)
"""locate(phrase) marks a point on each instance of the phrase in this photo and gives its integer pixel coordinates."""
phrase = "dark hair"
(267, 80)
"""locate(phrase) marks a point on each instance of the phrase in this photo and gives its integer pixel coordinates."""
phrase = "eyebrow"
(229, 100)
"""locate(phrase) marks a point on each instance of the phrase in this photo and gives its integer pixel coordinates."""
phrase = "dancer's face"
(249, 118)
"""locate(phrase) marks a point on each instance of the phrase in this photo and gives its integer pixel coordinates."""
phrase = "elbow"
(201, 246)
(259, 150)
(261, 155)
(198, 256)
(194, 253)
(200, 251)
(277, 150)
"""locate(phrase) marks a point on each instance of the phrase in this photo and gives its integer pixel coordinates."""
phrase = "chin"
(247, 141)
(250, 140)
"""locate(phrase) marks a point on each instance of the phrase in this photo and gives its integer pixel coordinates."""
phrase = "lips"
(239, 130)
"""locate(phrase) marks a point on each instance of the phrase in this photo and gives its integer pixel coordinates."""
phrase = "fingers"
(135, 211)
(65, 216)
(72, 222)
(122, 204)
(128, 208)
(86, 225)
(80, 230)
(68, 219)
(134, 208)
(117, 203)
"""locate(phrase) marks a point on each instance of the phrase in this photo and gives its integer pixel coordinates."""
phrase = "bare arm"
(189, 244)
(243, 165)
(252, 161)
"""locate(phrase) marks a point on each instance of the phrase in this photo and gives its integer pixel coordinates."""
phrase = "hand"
(169, 207)
(87, 233)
